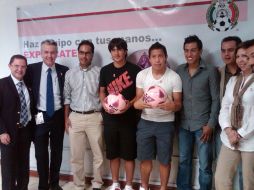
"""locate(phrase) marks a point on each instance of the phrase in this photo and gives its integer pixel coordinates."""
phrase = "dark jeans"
(187, 139)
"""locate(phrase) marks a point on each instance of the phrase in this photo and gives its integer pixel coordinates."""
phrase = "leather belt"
(20, 126)
(85, 112)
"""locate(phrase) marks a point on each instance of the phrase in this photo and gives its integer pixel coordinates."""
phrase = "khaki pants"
(86, 127)
(227, 165)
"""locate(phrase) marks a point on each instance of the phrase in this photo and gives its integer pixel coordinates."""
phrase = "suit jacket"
(10, 107)
(222, 71)
(33, 79)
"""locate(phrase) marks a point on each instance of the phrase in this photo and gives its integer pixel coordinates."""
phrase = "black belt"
(85, 112)
(20, 126)
(46, 111)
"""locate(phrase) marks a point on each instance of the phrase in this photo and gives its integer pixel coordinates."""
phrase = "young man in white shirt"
(156, 127)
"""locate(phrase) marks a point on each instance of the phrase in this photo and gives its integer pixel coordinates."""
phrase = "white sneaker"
(128, 187)
(141, 188)
(115, 186)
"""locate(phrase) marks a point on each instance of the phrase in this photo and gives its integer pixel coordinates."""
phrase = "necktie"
(23, 106)
(50, 96)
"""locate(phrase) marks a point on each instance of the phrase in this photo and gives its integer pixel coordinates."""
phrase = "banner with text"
(140, 23)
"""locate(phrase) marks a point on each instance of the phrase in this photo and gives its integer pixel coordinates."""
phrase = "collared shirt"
(246, 131)
(26, 94)
(81, 88)
(228, 75)
(43, 88)
(200, 96)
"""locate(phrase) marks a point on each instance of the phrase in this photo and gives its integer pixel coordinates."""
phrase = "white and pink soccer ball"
(115, 103)
(155, 95)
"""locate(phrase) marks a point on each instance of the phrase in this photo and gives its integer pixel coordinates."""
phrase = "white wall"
(9, 43)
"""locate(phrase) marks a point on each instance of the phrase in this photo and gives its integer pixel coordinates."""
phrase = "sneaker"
(115, 186)
(128, 187)
(141, 188)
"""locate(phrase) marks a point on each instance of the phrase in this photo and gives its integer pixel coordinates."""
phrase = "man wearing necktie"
(15, 126)
(46, 80)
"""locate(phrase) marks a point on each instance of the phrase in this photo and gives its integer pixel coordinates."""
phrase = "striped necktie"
(23, 105)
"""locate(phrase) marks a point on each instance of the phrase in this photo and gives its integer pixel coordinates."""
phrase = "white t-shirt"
(170, 82)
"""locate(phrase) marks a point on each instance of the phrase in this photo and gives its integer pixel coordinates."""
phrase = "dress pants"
(15, 161)
(238, 179)
(227, 165)
(51, 132)
(86, 128)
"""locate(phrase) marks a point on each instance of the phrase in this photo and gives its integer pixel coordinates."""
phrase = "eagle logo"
(222, 15)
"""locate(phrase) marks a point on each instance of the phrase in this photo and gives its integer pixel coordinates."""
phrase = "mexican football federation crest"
(222, 15)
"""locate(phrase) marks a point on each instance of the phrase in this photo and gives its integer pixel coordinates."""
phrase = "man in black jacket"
(15, 126)
(46, 80)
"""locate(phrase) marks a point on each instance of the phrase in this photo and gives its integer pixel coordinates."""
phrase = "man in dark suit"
(15, 126)
(46, 80)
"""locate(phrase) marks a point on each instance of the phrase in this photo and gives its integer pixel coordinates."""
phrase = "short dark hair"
(17, 56)
(236, 39)
(157, 45)
(119, 43)
(248, 43)
(88, 43)
(193, 39)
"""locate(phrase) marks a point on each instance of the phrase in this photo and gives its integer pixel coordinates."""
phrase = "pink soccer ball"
(115, 103)
(154, 96)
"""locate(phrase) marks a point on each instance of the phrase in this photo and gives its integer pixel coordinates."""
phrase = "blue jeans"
(217, 142)
(187, 140)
